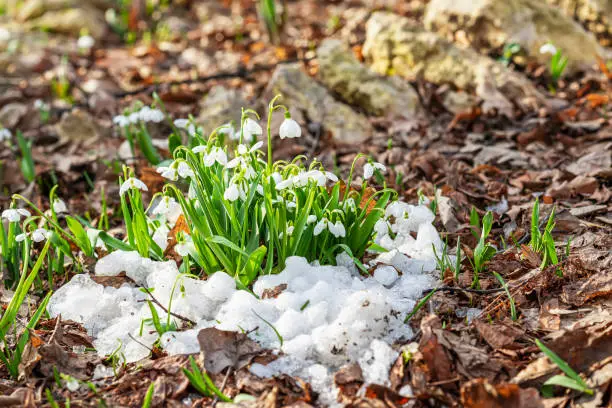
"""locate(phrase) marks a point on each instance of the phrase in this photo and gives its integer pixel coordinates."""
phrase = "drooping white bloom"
(321, 225)
(548, 48)
(38, 235)
(220, 156)
(252, 128)
(5, 35)
(5, 134)
(311, 218)
(232, 192)
(59, 206)
(121, 121)
(331, 176)
(148, 114)
(15, 214)
(290, 230)
(94, 238)
(260, 189)
(160, 236)
(134, 117)
(184, 170)
(233, 163)
(285, 184)
(368, 169)
(229, 131)
(181, 123)
(199, 149)
(291, 205)
(290, 129)
(337, 229)
(276, 176)
(85, 42)
(132, 183)
(168, 172)
(186, 246)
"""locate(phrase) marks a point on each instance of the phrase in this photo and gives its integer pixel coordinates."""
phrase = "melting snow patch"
(328, 316)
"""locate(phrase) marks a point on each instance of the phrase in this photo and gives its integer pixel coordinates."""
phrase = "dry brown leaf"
(224, 349)
(479, 393)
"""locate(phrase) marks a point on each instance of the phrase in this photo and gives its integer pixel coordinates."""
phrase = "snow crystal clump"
(328, 316)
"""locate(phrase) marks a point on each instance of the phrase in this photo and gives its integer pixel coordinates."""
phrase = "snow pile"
(327, 315)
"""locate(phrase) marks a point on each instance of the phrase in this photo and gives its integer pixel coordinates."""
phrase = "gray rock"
(311, 102)
(394, 45)
(530, 23)
(220, 106)
(71, 20)
(78, 126)
(357, 85)
(11, 114)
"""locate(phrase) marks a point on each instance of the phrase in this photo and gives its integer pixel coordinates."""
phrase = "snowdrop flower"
(5, 134)
(311, 218)
(289, 232)
(168, 172)
(252, 128)
(260, 189)
(232, 192)
(181, 123)
(284, 184)
(134, 117)
(233, 163)
(94, 238)
(14, 215)
(199, 149)
(548, 48)
(59, 206)
(289, 128)
(368, 169)
(337, 229)
(276, 176)
(184, 170)
(38, 235)
(160, 236)
(121, 121)
(331, 177)
(321, 225)
(85, 42)
(41, 105)
(185, 247)
(291, 205)
(147, 114)
(134, 183)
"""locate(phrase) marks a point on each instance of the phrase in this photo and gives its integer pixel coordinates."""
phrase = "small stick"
(158, 303)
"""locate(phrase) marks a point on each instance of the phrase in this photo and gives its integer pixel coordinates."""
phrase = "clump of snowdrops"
(246, 215)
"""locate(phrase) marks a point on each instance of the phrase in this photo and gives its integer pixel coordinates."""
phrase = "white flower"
(548, 48)
(232, 192)
(181, 123)
(134, 117)
(291, 205)
(331, 176)
(192, 129)
(229, 131)
(252, 128)
(185, 247)
(41, 105)
(59, 206)
(337, 229)
(38, 235)
(321, 225)
(368, 169)
(284, 184)
(168, 172)
(147, 114)
(5, 134)
(85, 42)
(290, 230)
(276, 176)
(289, 128)
(94, 237)
(260, 189)
(134, 183)
(184, 170)
(220, 156)
(160, 236)
(311, 218)
(14, 215)
(199, 149)
(233, 163)
(121, 121)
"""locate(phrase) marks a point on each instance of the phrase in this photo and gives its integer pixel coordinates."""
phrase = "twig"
(158, 303)
(227, 374)
(139, 342)
(456, 289)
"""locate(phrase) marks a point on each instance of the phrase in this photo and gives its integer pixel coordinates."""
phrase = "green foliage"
(419, 305)
(508, 52)
(542, 242)
(26, 162)
(513, 313)
(11, 355)
(201, 381)
(445, 262)
(483, 251)
(148, 399)
(571, 379)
